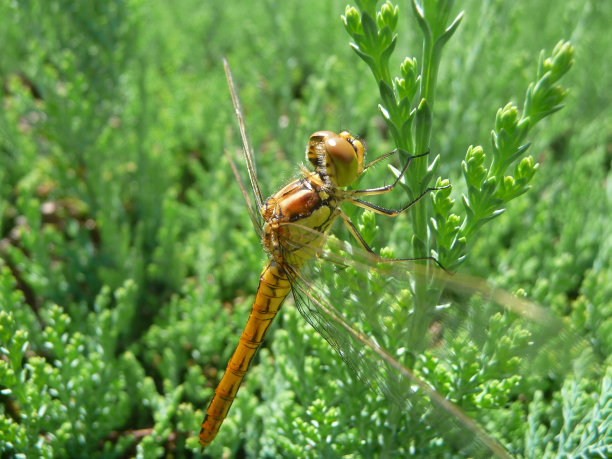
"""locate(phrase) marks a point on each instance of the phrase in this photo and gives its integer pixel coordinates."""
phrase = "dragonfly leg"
(355, 232)
(391, 212)
(386, 188)
(364, 245)
(380, 158)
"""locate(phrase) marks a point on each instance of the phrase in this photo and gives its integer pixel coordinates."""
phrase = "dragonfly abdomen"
(272, 291)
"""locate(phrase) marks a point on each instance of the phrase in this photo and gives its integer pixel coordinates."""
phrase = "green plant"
(128, 263)
(407, 103)
(407, 106)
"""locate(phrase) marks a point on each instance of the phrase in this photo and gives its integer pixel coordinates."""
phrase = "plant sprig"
(407, 104)
(489, 189)
(406, 100)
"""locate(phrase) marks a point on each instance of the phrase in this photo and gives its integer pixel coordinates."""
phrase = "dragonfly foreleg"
(380, 158)
(386, 188)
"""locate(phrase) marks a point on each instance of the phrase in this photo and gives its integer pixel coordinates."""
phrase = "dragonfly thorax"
(304, 203)
(336, 156)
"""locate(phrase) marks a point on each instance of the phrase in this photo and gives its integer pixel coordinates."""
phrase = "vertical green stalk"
(432, 17)
(406, 106)
(407, 100)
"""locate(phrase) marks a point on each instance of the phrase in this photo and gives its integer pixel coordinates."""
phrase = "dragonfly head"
(340, 156)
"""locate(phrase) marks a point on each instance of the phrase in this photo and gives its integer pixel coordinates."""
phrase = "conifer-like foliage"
(127, 260)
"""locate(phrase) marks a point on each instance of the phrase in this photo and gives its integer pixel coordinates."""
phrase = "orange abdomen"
(272, 291)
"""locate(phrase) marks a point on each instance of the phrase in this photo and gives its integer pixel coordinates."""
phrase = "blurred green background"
(128, 261)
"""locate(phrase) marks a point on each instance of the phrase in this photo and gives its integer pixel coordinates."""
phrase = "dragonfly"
(331, 282)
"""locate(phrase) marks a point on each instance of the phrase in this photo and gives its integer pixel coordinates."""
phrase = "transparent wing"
(254, 214)
(247, 153)
(464, 339)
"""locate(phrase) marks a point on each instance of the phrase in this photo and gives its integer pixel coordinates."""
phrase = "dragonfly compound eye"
(339, 155)
(343, 160)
